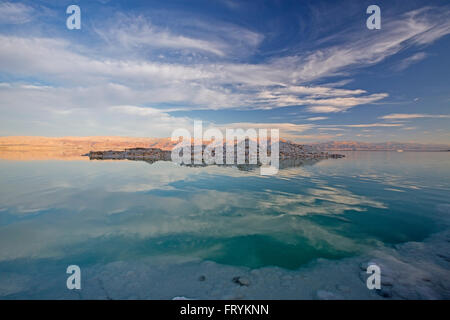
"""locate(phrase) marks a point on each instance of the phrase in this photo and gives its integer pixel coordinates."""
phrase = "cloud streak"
(136, 32)
(406, 116)
(411, 60)
(15, 13)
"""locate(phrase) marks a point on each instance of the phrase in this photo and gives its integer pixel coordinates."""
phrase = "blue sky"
(144, 68)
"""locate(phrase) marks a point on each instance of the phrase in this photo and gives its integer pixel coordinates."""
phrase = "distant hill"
(378, 146)
(71, 148)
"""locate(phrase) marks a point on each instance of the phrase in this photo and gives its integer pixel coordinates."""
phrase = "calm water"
(57, 213)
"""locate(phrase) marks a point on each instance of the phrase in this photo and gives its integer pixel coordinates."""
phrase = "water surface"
(58, 213)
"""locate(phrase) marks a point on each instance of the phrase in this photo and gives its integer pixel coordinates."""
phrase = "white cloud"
(341, 127)
(331, 129)
(419, 27)
(287, 130)
(15, 13)
(193, 86)
(411, 60)
(371, 125)
(137, 34)
(403, 116)
(137, 111)
(134, 32)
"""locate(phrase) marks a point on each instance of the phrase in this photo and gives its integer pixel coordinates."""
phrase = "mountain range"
(35, 148)
(378, 146)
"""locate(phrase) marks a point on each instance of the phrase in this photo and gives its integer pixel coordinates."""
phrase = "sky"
(145, 68)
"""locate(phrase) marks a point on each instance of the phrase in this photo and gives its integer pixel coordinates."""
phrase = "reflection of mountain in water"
(283, 164)
(290, 155)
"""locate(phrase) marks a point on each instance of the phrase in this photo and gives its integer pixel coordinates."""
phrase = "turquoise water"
(57, 213)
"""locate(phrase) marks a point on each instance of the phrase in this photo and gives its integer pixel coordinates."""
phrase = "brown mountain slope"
(39, 148)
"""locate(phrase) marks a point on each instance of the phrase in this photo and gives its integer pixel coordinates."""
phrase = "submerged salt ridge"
(413, 270)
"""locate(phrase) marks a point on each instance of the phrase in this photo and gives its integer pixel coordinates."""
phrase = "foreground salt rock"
(411, 270)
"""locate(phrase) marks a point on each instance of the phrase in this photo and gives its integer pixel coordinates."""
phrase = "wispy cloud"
(371, 125)
(15, 13)
(137, 35)
(330, 129)
(405, 116)
(205, 86)
(136, 32)
(411, 60)
(417, 27)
